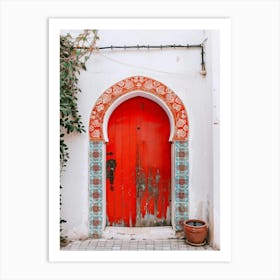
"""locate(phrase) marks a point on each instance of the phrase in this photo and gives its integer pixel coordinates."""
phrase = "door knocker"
(110, 171)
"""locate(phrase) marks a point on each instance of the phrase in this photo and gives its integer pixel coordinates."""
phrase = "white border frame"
(224, 254)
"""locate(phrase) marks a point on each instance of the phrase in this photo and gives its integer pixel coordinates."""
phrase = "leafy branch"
(74, 53)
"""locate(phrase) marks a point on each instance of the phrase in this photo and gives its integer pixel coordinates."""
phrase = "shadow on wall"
(202, 212)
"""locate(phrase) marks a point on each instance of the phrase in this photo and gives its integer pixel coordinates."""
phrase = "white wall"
(180, 71)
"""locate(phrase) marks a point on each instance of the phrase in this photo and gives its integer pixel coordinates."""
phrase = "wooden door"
(138, 165)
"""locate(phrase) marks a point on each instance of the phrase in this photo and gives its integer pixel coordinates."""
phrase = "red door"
(138, 165)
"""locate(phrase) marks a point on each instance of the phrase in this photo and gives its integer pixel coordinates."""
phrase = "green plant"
(74, 53)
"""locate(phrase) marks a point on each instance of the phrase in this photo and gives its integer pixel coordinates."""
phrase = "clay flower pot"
(195, 232)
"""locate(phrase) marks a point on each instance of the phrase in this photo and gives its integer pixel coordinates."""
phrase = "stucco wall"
(180, 71)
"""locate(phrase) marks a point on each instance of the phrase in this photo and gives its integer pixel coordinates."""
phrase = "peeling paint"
(148, 194)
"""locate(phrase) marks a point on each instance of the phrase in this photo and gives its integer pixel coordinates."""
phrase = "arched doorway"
(106, 104)
(138, 165)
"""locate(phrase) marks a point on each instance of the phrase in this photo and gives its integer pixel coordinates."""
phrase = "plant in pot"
(196, 232)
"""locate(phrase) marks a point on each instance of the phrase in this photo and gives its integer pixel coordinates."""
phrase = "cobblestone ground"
(135, 245)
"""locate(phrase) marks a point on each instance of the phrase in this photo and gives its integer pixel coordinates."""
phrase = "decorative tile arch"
(143, 84)
(175, 109)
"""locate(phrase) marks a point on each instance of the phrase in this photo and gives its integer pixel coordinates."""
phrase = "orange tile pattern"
(142, 84)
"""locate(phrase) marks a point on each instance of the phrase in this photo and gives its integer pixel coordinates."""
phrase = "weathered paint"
(138, 160)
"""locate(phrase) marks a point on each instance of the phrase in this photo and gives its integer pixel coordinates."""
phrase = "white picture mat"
(255, 89)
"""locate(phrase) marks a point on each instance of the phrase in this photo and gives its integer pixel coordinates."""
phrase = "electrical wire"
(133, 66)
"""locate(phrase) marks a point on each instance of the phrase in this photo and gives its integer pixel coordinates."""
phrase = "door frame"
(158, 102)
(98, 134)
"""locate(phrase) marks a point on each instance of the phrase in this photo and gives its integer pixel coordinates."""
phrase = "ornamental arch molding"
(135, 86)
(179, 132)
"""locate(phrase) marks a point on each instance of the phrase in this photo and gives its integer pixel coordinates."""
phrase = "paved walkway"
(135, 245)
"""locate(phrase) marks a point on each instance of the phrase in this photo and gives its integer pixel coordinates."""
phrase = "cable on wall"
(201, 46)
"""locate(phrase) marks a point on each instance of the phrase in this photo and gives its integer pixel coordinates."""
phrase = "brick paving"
(135, 245)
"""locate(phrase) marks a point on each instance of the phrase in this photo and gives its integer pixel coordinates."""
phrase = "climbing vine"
(74, 53)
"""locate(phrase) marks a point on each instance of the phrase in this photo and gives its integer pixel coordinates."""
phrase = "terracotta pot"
(195, 231)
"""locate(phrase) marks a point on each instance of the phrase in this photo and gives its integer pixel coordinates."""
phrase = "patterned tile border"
(95, 188)
(145, 84)
(181, 183)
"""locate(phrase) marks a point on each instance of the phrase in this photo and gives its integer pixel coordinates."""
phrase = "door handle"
(110, 171)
